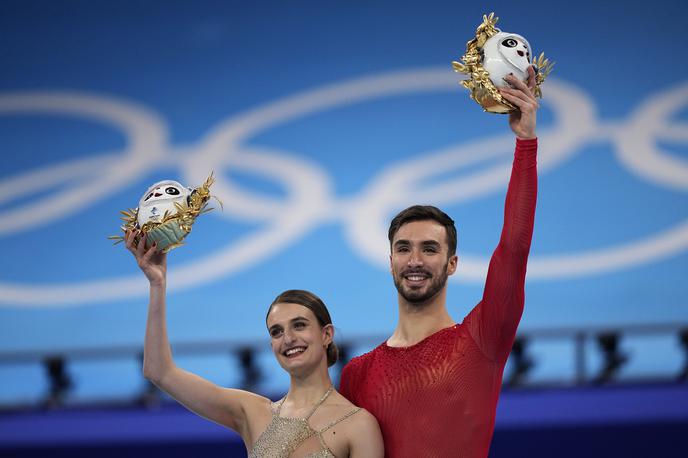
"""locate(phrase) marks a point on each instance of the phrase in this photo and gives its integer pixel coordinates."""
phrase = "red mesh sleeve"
(345, 381)
(494, 320)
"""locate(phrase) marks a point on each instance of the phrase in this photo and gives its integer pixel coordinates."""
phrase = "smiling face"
(420, 261)
(297, 339)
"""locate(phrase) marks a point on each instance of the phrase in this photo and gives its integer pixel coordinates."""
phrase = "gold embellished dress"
(294, 437)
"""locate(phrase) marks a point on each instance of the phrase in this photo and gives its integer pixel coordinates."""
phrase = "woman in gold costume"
(313, 420)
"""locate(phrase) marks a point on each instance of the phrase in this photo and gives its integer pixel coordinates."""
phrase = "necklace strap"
(340, 419)
(315, 407)
(279, 406)
(319, 403)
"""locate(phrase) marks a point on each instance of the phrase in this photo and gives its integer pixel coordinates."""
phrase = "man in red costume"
(434, 384)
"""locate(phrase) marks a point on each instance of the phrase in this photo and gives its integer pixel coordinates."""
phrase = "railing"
(607, 345)
(598, 356)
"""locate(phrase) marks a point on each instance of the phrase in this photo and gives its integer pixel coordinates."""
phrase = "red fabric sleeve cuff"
(526, 147)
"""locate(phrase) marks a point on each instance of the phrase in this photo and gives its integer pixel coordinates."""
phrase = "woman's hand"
(152, 262)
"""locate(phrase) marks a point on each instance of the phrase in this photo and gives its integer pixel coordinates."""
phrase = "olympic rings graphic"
(310, 199)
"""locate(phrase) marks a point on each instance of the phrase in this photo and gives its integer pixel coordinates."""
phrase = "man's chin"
(419, 297)
(416, 297)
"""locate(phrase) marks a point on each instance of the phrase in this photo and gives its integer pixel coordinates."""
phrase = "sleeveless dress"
(294, 437)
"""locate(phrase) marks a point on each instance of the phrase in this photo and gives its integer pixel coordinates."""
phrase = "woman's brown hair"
(315, 305)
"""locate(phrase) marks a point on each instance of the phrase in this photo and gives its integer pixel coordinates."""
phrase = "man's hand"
(522, 121)
(152, 262)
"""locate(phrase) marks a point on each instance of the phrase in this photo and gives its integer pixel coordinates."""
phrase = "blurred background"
(320, 120)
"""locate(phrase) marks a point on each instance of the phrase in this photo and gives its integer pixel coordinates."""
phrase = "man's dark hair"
(424, 213)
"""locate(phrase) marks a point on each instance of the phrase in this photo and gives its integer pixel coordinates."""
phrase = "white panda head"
(160, 198)
(506, 53)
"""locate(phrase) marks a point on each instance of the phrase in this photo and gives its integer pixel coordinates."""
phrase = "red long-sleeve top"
(438, 398)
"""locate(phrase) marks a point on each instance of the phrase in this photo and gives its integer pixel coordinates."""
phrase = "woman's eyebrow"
(299, 318)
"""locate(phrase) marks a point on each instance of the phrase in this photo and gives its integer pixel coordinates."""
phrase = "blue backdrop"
(320, 120)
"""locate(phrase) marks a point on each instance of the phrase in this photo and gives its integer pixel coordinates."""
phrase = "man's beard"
(417, 297)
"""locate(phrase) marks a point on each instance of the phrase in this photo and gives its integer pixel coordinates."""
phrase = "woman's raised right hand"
(153, 263)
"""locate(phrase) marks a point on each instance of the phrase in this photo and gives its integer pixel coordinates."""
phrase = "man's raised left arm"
(494, 320)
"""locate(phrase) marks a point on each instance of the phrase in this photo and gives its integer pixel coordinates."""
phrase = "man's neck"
(416, 322)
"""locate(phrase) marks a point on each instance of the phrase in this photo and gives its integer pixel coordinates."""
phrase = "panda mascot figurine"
(491, 56)
(166, 212)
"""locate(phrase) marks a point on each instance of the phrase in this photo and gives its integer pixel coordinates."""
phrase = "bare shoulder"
(365, 436)
(349, 430)
(360, 421)
(343, 414)
(364, 421)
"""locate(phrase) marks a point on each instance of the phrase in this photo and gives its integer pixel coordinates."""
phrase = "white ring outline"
(236, 128)
(143, 129)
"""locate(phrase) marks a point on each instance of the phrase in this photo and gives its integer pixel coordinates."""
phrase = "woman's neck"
(307, 390)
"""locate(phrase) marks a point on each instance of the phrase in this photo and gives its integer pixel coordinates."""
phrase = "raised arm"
(494, 320)
(227, 407)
